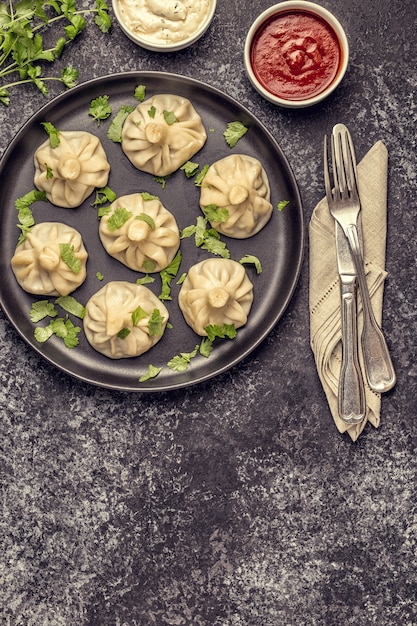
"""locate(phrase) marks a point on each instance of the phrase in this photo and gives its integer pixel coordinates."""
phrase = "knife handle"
(351, 388)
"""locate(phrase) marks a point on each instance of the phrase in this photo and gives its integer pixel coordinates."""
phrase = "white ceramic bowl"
(301, 6)
(168, 46)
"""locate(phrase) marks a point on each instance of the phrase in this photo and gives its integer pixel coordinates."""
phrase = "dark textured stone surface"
(234, 503)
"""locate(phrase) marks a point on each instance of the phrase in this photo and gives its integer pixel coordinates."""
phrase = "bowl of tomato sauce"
(296, 53)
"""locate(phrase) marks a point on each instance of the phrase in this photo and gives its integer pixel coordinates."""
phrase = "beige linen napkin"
(324, 295)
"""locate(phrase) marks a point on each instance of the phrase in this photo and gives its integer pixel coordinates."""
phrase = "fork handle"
(351, 402)
(378, 365)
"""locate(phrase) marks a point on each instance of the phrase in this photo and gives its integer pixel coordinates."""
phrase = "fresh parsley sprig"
(22, 48)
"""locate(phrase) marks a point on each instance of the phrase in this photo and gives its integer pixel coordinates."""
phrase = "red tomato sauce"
(295, 55)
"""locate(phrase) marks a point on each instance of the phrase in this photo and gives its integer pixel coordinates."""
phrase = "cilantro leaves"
(62, 327)
(23, 53)
(234, 132)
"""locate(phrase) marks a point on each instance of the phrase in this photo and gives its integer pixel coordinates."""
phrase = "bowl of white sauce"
(164, 25)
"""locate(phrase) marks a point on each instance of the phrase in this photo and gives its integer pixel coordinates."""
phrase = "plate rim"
(141, 75)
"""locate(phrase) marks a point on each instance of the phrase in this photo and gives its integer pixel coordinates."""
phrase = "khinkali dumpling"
(124, 320)
(162, 133)
(239, 184)
(51, 261)
(216, 291)
(141, 233)
(70, 172)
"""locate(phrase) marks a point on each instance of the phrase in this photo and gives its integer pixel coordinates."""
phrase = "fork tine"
(327, 183)
(338, 164)
(351, 165)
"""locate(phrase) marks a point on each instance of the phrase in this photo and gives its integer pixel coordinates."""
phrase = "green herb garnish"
(162, 180)
(200, 176)
(250, 259)
(116, 125)
(104, 194)
(168, 274)
(169, 117)
(206, 238)
(144, 217)
(137, 315)
(234, 132)
(71, 305)
(100, 109)
(67, 255)
(155, 324)
(22, 25)
(148, 196)
(118, 218)
(190, 169)
(140, 93)
(215, 214)
(62, 328)
(151, 372)
(42, 309)
(281, 205)
(180, 362)
(25, 215)
(123, 333)
(145, 280)
(53, 133)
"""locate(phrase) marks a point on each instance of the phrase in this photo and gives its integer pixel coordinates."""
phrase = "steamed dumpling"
(162, 133)
(239, 184)
(124, 320)
(38, 262)
(215, 291)
(146, 238)
(70, 172)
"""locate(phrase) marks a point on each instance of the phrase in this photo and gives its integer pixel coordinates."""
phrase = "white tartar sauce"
(164, 21)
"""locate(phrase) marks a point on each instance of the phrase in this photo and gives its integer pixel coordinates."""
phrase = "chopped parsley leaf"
(169, 117)
(215, 214)
(137, 315)
(140, 93)
(281, 205)
(118, 218)
(180, 362)
(71, 305)
(200, 176)
(42, 309)
(145, 280)
(67, 254)
(250, 259)
(151, 372)
(189, 168)
(148, 196)
(168, 274)
(104, 194)
(155, 324)
(114, 132)
(144, 217)
(53, 134)
(100, 109)
(234, 132)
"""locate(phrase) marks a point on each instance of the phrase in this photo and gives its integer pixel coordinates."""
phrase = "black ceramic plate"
(279, 245)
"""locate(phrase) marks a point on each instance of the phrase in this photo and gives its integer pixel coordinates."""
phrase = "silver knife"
(351, 396)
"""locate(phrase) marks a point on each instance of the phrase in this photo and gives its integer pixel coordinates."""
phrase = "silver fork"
(344, 205)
